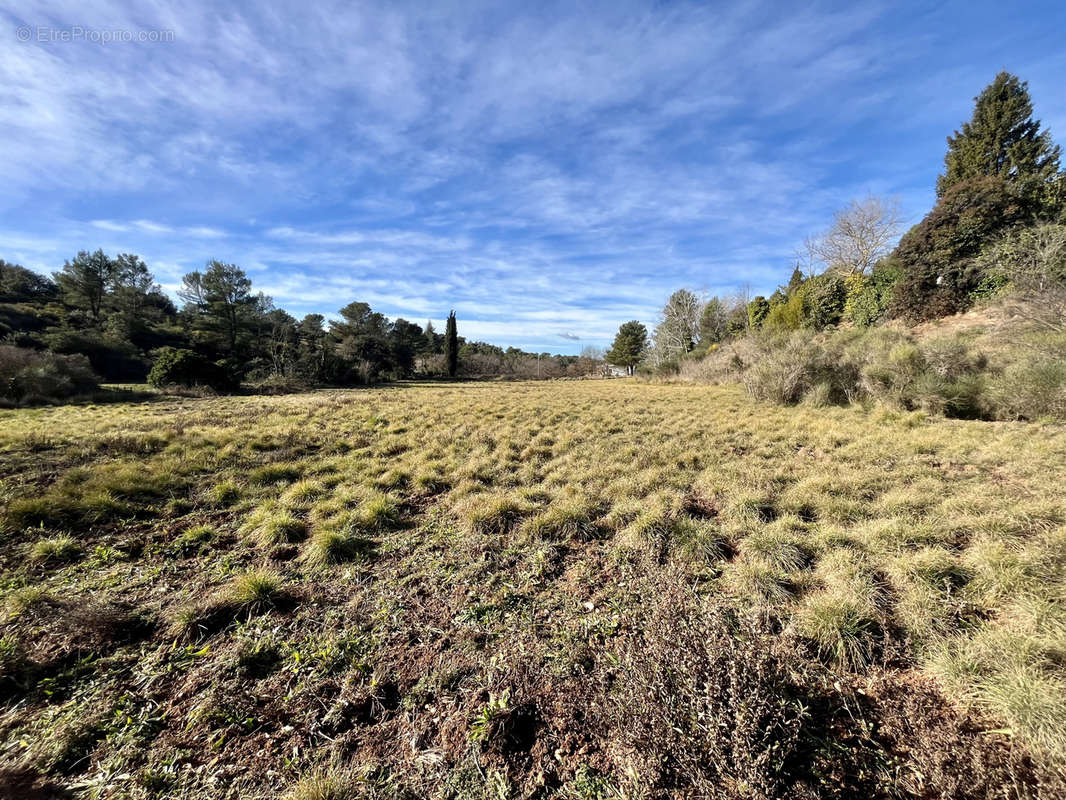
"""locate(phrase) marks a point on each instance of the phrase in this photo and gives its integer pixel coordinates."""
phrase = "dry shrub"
(705, 704)
(1030, 388)
(30, 377)
(712, 701)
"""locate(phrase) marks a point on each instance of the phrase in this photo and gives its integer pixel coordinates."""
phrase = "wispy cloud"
(547, 171)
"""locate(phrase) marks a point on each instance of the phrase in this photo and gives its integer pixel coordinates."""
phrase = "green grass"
(55, 549)
(510, 537)
(327, 785)
(256, 587)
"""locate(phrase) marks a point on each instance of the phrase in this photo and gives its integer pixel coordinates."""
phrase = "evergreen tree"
(362, 338)
(405, 339)
(431, 345)
(21, 285)
(795, 281)
(758, 308)
(313, 347)
(629, 345)
(713, 322)
(220, 301)
(451, 345)
(1001, 139)
(84, 282)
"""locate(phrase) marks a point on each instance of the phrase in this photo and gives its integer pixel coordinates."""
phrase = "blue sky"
(547, 170)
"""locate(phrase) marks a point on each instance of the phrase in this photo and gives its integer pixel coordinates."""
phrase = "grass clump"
(195, 537)
(776, 549)
(377, 512)
(495, 514)
(701, 542)
(330, 544)
(302, 493)
(1015, 675)
(330, 784)
(270, 525)
(275, 473)
(257, 587)
(18, 601)
(840, 628)
(224, 493)
(565, 520)
(54, 550)
(251, 592)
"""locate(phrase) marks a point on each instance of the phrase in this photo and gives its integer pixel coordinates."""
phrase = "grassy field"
(569, 589)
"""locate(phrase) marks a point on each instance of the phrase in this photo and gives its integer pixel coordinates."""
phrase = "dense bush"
(939, 376)
(823, 300)
(1033, 260)
(115, 358)
(869, 296)
(28, 376)
(786, 316)
(757, 311)
(938, 256)
(176, 366)
(785, 370)
(1030, 389)
(886, 365)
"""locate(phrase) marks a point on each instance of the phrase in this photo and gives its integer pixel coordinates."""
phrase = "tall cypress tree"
(1001, 139)
(451, 345)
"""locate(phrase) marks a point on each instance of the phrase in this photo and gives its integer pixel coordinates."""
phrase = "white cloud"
(546, 171)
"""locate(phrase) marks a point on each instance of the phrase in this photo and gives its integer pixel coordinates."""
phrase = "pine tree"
(794, 282)
(629, 346)
(451, 345)
(1001, 139)
(84, 282)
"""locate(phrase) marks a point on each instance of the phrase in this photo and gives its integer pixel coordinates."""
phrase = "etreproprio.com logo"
(51, 34)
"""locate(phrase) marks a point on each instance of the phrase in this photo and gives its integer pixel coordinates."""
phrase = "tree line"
(107, 316)
(998, 228)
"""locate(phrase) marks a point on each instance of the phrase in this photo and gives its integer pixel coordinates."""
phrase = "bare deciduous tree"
(679, 326)
(1034, 260)
(861, 234)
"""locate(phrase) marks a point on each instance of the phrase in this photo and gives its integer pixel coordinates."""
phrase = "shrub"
(787, 316)
(1033, 260)
(783, 374)
(823, 300)
(940, 376)
(175, 366)
(785, 370)
(868, 297)
(707, 704)
(28, 376)
(1030, 389)
(938, 256)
